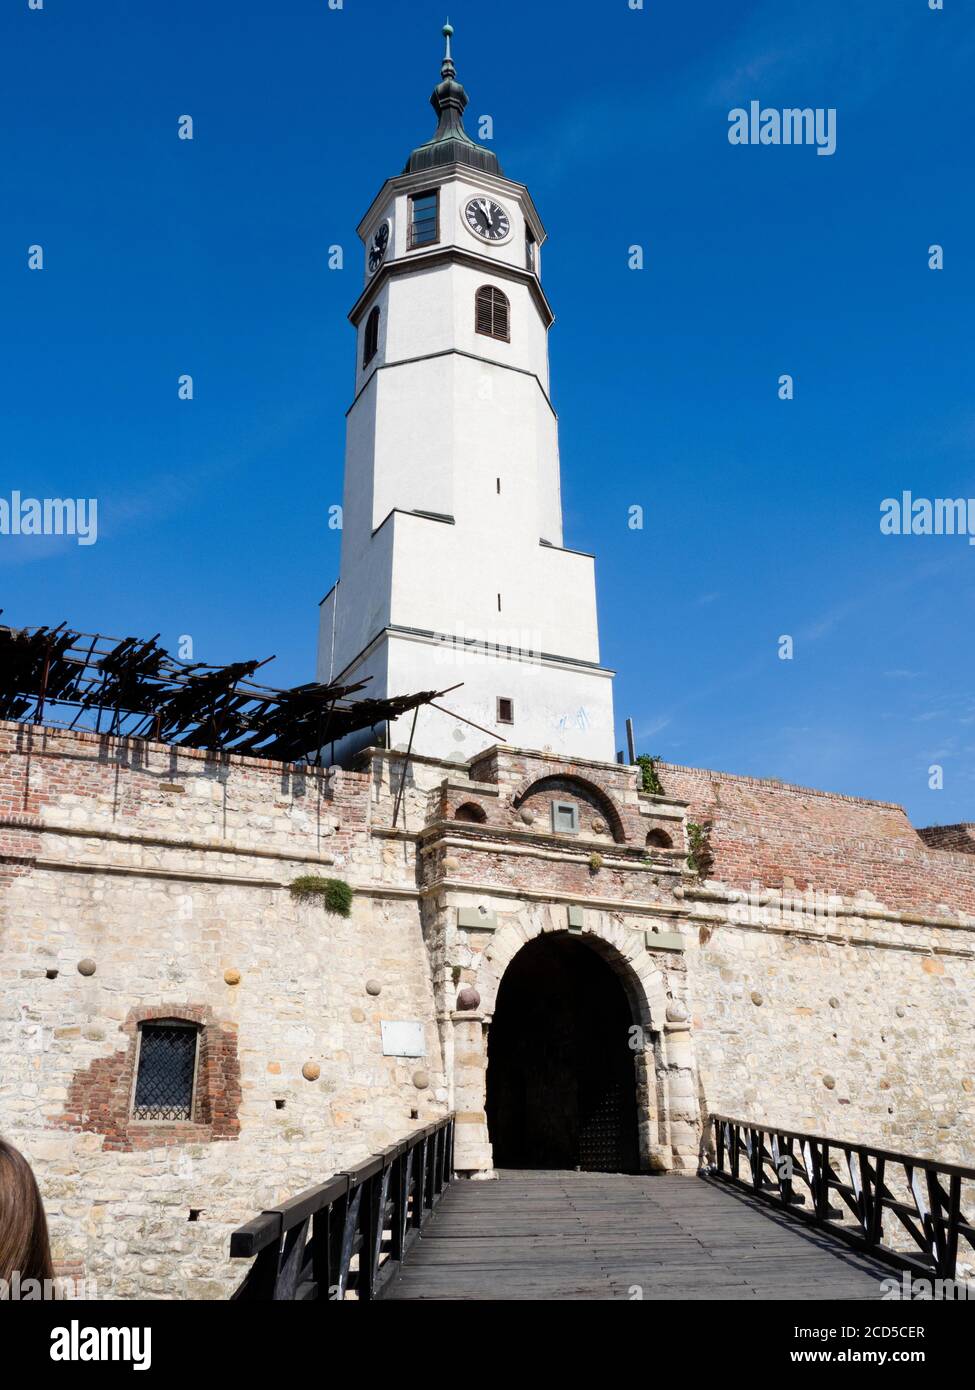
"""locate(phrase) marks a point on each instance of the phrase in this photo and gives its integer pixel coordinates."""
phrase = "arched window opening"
(659, 839)
(371, 341)
(491, 313)
(475, 815)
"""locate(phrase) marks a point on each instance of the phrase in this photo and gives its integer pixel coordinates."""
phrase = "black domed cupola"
(451, 144)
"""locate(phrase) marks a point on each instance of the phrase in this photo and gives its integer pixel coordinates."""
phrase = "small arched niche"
(471, 813)
(659, 839)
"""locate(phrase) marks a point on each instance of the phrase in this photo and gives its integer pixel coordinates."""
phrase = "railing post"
(822, 1188)
(876, 1233)
(400, 1197)
(951, 1230)
(366, 1280)
(420, 1182)
(756, 1159)
(785, 1183)
(320, 1249)
(430, 1162)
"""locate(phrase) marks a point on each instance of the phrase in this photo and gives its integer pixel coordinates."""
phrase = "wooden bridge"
(781, 1215)
(535, 1235)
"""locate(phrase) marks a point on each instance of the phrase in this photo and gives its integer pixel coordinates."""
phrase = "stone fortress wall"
(139, 881)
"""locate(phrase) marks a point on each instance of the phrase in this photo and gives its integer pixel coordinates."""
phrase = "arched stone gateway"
(561, 1076)
(578, 1054)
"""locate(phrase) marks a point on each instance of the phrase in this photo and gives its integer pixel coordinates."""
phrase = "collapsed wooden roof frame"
(132, 687)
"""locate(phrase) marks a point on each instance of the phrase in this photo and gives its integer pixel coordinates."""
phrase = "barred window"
(166, 1073)
(371, 344)
(491, 312)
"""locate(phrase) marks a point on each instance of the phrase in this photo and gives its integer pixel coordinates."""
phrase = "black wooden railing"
(792, 1168)
(305, 1248)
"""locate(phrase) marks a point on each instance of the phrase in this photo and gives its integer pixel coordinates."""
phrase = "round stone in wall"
(358, 1016)
(834, 1003)
(311, 1071)
(86, 966)
(900, 1011)
(599, 827)
(421, 1080)
(676, 1013)
(231, 977)
(450, 863)
(373, 987)
(757, 997)
(526, 815)
(829, 1082)
(468, 998)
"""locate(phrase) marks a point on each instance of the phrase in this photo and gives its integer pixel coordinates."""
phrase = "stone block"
(477, 919)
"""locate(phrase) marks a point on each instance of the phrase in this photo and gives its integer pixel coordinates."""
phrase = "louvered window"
(491, 313)
(167, 1068)
(371, 341)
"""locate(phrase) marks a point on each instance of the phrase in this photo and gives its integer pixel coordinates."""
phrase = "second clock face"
(487, 219)
(378, 247)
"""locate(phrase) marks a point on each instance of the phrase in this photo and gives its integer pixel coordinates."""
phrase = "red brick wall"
(100, 1095)
(959, 838)
(770, 831)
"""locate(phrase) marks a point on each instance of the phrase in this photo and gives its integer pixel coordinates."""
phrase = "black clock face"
(488, 219)
(377, 248)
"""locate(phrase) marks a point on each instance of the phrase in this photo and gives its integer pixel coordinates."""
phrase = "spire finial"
(450, 143)
(447, 68)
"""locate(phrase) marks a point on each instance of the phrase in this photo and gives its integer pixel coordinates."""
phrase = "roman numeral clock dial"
(487, 219)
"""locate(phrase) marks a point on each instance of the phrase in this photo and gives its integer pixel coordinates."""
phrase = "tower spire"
(451, 143)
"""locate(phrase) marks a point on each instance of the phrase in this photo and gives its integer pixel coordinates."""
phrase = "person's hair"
(24, 1243)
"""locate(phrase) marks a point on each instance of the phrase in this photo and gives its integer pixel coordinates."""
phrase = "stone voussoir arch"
(603, 798)
(620, 947)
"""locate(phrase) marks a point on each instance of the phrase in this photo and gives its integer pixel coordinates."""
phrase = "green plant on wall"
(336, 896)
(648, 773)
(700, 858)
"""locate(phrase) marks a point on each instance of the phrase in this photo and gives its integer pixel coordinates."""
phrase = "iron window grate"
(167, 1063)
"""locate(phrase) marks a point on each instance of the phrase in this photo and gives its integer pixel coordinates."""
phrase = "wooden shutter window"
(491, 313)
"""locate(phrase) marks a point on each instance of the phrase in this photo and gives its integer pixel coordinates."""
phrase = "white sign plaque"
(403, 1039)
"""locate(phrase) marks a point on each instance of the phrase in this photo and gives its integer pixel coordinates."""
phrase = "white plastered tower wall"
(453, 567)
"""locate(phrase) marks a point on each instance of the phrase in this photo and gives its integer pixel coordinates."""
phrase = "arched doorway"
(561, 1082)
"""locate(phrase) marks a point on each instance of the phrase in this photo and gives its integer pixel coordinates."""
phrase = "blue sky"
(761, 516)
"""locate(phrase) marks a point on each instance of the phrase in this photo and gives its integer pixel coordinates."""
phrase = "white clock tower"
(453, 567)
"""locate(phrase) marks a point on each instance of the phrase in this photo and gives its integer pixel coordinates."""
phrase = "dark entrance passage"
(561, 1087)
